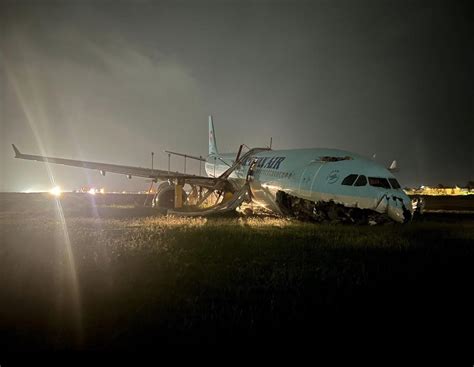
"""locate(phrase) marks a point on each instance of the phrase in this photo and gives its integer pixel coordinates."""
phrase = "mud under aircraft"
(311, 184)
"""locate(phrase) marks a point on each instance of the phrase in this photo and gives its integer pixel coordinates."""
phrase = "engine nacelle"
(164, 197)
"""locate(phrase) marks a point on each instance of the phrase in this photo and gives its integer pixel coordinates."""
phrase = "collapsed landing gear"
(200, 200)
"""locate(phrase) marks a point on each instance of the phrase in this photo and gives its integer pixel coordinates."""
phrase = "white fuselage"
(318, 175)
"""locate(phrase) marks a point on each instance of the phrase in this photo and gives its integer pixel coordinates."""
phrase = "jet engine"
(164, 197)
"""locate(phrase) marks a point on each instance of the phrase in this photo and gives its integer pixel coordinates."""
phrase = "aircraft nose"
(398, 209)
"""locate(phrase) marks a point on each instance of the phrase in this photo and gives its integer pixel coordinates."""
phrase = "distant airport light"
(55, 191)
(92, 191)
(440, 190)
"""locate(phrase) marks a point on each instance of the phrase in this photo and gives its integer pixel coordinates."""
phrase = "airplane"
(319, 185)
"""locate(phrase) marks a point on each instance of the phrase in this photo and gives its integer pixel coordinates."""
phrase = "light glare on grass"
(55, 191)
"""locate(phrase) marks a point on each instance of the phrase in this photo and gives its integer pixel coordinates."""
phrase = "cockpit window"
(349, 180)
(394, 183)
(379, 182)
(361, 181)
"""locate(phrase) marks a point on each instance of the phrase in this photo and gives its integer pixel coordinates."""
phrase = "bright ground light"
(55, 191)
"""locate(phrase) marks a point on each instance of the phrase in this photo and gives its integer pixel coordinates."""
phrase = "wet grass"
(144, 280)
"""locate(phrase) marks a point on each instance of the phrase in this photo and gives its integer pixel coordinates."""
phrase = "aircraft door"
(307, 179)
(314, 182)
(325, 177)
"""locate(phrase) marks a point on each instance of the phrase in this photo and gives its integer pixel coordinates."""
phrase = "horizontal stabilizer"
(185, 155)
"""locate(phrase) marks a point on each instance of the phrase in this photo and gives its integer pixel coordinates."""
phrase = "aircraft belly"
(346, 200)
(393, 208)
(265, 193)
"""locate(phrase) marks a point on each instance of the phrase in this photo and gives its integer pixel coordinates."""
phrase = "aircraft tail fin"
(212, 138)
(394, 166)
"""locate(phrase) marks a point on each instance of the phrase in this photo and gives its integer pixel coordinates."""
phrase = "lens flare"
(69, 296)
(55, 191)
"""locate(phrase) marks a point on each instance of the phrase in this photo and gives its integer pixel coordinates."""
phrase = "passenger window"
(361, 181)
(394, 183)
(379, 182)
(349, 180)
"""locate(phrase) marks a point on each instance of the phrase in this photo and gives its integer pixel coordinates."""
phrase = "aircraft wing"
(129, 171)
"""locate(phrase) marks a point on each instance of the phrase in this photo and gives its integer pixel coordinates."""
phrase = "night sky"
(112, 81)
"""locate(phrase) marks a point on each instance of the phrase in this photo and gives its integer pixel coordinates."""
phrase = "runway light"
(55, 191)
(92, 191)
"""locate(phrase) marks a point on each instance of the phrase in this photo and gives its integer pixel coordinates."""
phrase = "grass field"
(108, 277)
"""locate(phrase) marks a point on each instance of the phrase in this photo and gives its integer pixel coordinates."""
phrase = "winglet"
(17, 152)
